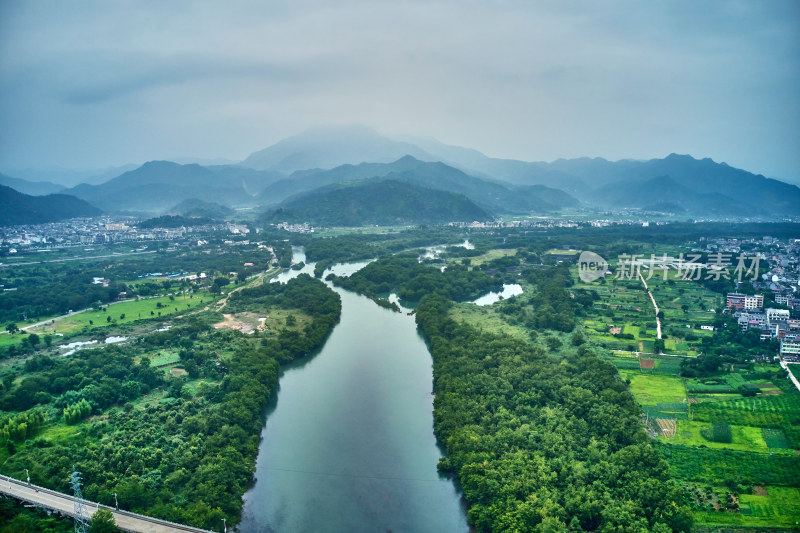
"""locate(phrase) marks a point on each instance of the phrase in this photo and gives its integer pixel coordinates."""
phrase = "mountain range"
(493, 196)
(677, 184)
(17, 208)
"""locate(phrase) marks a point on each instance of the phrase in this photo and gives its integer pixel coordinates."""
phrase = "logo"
(591, 267)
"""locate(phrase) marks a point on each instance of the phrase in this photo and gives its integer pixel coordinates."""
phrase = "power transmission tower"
(80, 521)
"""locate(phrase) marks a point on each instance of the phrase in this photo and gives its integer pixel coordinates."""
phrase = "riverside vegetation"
(547, 420)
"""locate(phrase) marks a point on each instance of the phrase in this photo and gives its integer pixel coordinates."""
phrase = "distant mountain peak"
(330, 147)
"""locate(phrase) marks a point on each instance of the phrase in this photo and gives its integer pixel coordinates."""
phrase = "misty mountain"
(716, 187)
(193, 207)
(18, 208)
(34, 188)
(508, 170)
(326, 148)
(71, 177)
(697, 185)
(491, 195)
(668, 195)
(157, 186)
(251, 180)
(377, 201)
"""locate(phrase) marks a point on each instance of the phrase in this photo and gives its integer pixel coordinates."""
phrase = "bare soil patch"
(647, 364)
(244, 322)
(668, 427)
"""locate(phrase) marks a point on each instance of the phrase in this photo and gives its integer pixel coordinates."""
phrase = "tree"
(12, 328)
(103, 522)
(658, 346)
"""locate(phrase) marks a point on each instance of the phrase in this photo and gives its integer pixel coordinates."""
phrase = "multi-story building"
(745, 301)
(775, 315)
(790, 348)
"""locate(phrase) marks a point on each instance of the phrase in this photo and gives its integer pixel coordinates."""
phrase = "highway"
(65, 504)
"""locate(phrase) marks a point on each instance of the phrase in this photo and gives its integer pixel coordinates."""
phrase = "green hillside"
(382, 202)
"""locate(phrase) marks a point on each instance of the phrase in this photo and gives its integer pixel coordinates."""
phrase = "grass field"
(487, 319)
(745, 438)
(652, 389)
(126, 312)
(491, 255)
(164, 357)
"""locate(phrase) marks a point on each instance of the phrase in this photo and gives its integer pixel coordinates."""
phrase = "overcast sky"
(95, 84)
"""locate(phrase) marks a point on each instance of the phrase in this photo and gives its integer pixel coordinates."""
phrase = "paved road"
(65, 504)
(658, 320)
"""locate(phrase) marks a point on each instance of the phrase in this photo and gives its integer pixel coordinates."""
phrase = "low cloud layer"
(91, 84)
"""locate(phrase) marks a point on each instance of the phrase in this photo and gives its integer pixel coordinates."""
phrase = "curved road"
(65, 504)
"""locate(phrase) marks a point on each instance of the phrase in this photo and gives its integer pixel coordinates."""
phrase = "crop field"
(773, 507)
(745, 438)
(653, 389)
(764, 437)
(623, 318)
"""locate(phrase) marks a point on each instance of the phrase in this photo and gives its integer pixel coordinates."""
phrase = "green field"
(126, 312)
(745, 438)
(780, 507)
(623, 303)
(652, 389)
(488, 319)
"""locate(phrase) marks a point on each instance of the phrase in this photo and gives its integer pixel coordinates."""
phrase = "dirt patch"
(615, 331)
(760, 491)
(178, 372)
(694, 400)
(773, 392)
(647, 364)
(244, 322)
(667, 427)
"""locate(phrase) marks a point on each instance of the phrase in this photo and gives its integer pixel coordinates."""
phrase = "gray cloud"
(94, 83)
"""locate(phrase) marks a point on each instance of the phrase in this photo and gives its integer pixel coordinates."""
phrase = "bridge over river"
(65, 505)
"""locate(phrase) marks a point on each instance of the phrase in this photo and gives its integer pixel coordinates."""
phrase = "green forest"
(176, 445)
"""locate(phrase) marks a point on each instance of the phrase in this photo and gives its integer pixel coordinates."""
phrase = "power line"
(313, 473)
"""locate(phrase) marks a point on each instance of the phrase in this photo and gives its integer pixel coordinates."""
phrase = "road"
(785, 366)
(658, 320)
(65, 504)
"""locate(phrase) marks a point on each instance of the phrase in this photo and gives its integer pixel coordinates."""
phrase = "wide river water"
(348, 444)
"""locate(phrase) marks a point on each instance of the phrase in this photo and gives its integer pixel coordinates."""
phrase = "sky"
(93, 84)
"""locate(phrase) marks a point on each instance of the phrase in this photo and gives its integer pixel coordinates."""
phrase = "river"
(348, 443)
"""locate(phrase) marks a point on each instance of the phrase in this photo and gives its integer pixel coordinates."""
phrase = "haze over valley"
(422, 266)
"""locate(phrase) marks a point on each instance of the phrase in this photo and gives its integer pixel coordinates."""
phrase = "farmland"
(731, 434)
(623, 318)
(758, 468)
